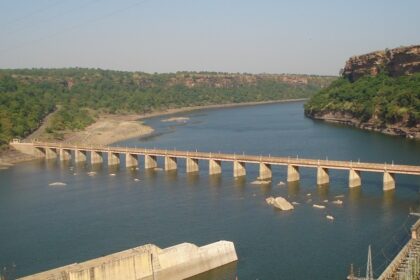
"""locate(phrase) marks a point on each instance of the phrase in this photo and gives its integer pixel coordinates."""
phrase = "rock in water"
(177, 119)
(270, 200)
(58, 184)
(260, 182)
(280, 202)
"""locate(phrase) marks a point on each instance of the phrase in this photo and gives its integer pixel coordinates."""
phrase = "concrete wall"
(147, 262)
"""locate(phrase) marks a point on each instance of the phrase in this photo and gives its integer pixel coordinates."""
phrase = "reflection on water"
(151, 173)
(215, 180)
(193, 178)
(355, 194)
(265, 188)
(170, 176)
(322, 191)
(239, 182)
(388, 198)
(293, 189)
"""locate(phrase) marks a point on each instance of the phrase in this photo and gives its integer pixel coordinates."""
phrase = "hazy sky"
(272, 36)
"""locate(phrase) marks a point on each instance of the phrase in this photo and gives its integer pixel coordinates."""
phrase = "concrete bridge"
(79, 153)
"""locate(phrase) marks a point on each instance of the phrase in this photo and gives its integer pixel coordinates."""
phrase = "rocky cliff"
(396, 62)
(378, 91)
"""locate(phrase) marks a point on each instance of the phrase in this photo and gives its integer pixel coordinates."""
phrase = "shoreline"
(109, 129)
(214, 106)
(404, 132)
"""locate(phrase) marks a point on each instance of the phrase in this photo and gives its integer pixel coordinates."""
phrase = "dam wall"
(147, 262)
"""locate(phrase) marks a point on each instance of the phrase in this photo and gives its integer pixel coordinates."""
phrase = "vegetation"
(28, 95)
(381, 99)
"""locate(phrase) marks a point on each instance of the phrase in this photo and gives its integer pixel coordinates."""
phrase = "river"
(43, 226)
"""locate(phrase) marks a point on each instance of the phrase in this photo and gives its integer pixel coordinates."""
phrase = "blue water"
(42, 226)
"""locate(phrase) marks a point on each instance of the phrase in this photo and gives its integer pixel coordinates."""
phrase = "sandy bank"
(109, 129)
(106, 130)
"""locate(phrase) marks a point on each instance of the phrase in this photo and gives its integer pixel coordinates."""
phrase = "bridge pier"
(389, 181)
(50, 153)
(322, 176)
(215, 167)
(113, 158)
(238, 169)
(170, 163)
(79, 156)
(38, 152)
(150, 161)
(265, 172)
(65, 151)
(95, 157)
(354, 178)
(293, 173)
(131, 160)
(192, 165)
(64, 154)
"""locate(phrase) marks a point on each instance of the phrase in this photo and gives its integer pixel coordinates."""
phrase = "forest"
(381, 99)
(79, 95)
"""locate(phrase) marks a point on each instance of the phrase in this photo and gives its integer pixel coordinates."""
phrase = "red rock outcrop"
(396, 62)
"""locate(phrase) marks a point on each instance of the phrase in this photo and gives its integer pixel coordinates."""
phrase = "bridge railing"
(333, 164)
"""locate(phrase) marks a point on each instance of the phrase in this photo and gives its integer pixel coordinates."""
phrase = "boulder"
(260, 182)
(280, 202)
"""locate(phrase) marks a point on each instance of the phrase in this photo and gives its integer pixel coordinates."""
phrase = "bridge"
(96, 153)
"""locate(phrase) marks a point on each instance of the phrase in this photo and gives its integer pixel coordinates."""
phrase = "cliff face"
(187, 79)
(396, 62)
(386, 99)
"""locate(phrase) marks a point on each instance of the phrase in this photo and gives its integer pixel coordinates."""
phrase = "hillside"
(379, 91)
(28, 95)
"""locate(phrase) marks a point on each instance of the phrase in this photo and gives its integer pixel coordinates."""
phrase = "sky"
(252, 36)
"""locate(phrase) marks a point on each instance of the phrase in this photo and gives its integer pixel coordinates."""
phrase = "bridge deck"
(272, 160)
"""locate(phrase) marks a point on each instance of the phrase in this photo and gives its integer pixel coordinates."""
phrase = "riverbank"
(10, 156)
(215, 106)
(109, 129)
(394, 130)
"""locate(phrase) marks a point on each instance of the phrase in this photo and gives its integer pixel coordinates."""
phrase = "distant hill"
(28, 95)
(378, 91)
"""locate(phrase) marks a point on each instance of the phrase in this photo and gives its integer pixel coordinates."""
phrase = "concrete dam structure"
(147, 262)
(80, 154)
